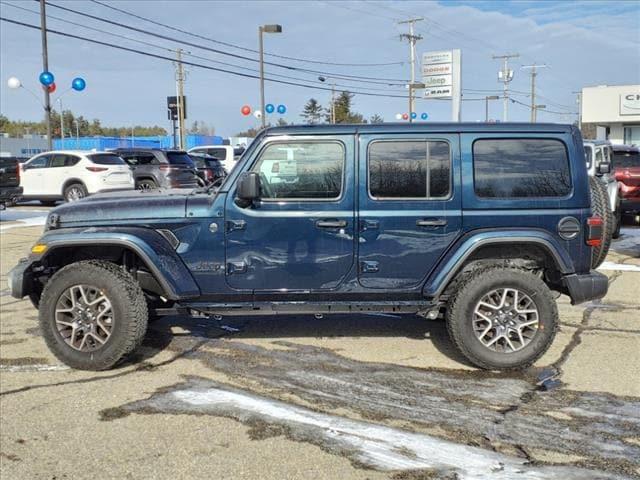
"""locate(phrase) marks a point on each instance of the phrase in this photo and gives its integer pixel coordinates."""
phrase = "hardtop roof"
(420, 127)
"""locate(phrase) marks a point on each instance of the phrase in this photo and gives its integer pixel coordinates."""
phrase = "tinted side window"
(57, 161)
(40, 162)
(302, 170)
(527, 167)
(219, 153)
(410, 169)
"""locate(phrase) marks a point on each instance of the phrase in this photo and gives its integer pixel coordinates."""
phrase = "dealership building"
(611, 113)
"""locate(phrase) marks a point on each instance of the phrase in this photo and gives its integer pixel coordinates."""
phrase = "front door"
(32, 176)
(410, 207)
(299, 236)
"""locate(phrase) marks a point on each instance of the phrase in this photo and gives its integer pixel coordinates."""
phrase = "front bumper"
(20, 279)
(587, 286)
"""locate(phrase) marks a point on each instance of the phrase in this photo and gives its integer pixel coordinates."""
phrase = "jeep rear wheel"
(502, 318)
(146, 185)
(92, 315)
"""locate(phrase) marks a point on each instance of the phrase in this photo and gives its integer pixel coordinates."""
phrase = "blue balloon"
(46, 78)
(269, 108)
(78, 84)
(282, 109)
(424, 116)
(414, 115)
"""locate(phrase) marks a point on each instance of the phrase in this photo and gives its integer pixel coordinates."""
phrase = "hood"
(105, 208)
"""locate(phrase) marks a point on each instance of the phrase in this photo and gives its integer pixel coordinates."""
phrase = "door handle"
(431, 222)
(331, 223)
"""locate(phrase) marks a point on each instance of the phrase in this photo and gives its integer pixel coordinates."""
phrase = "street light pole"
(45, 68)
(261, 30)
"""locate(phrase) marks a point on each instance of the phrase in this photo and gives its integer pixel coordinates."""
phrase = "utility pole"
(534, 73)
(45, 68)
(412, 38)
(505, 76)
(486, 106)
(180, 78)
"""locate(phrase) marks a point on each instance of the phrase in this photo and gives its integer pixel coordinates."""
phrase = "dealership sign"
(441, 78)
(630, 103)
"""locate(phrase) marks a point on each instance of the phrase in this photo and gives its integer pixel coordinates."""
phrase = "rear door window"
(219, 153)
(179, 158)
(409, 169)
(521, 167)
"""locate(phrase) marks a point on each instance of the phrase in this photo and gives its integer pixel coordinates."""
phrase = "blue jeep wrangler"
(483, 224)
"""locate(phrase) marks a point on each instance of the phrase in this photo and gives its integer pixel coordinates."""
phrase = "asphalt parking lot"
(377, 396)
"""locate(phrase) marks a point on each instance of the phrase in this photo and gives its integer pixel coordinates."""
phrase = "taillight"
(594, 231)
(97, 169)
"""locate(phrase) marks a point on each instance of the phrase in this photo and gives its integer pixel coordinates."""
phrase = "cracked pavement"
(354, 396)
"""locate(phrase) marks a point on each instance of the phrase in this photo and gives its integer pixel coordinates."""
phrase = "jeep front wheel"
(92, 315)
(502, 318)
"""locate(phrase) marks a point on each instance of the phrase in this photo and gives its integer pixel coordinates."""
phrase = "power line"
(319, 62)
(208, 67)
(162, 47)
(363, 79)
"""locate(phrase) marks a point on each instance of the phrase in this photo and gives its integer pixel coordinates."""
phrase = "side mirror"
(248, 189)
(604, 168)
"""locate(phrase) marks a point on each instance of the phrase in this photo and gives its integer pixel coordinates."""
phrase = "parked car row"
(70, 175)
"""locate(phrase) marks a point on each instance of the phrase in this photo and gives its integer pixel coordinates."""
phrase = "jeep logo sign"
(630, 103)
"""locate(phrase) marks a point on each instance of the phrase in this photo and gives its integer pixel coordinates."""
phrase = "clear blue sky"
(583, 43)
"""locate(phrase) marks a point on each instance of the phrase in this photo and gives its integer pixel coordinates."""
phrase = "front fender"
(157, 254)
(448, 267)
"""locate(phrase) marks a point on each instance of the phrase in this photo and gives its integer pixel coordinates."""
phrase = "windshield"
(179, 158)
(105, 159)
(626, 159)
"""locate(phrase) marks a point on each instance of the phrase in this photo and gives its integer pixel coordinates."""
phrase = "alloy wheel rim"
(144, 186)
(84, 317)
(74, 194)
(505, 320)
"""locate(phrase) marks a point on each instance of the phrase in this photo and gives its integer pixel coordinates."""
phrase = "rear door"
(410, 207)
(58, 172)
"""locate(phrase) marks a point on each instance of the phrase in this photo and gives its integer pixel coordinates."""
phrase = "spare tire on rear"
(600, 207)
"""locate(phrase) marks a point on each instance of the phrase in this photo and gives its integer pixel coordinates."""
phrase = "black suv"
(10, 189)
(159, 168)
(208, 168)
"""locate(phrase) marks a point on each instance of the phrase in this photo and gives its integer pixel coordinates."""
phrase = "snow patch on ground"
(621, 267)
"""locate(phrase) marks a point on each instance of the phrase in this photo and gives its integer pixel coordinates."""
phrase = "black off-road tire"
(617, 215)
(600, 207)
(461, 306)
(128, 304)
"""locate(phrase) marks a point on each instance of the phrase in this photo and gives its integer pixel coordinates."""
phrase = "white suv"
(71, 175)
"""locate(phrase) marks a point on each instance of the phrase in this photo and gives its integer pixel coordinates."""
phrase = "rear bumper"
(630, 205)
(10, 194)
(587, 286)
(20, 279)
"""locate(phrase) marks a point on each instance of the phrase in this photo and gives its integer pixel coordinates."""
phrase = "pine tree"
(375, 118)
(343, 113)
(312, 112)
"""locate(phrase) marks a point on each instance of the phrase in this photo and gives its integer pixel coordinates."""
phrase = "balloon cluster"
(414, 115)
(48, 82)
(268, 108)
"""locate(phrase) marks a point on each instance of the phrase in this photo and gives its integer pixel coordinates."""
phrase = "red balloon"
(246, 110)
(405, 116)
(51, 88)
